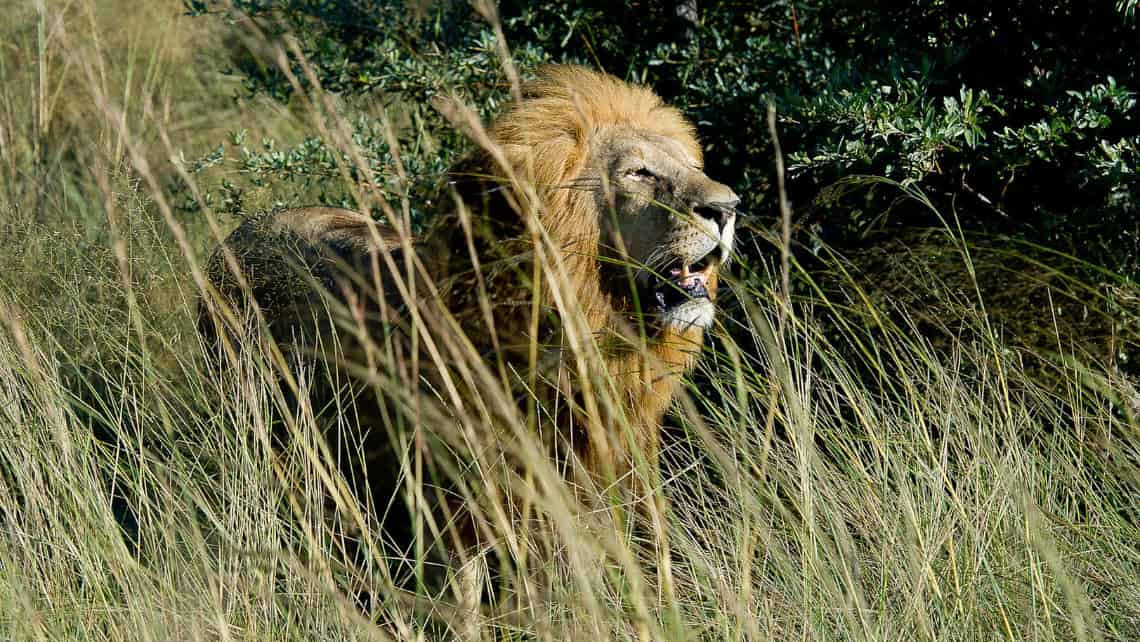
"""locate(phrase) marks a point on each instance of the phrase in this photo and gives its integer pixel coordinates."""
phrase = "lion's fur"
(545, 142)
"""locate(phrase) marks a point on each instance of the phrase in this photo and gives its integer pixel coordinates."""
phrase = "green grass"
(837, 470)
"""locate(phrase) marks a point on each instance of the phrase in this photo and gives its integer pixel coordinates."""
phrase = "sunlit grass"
(832, 472)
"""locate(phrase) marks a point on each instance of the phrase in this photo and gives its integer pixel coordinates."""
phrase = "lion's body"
(549, 190)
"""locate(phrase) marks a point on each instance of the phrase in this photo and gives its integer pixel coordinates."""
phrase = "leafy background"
(1019, 118)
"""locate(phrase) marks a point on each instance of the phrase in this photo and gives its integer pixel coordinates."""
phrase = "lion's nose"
(720, 212)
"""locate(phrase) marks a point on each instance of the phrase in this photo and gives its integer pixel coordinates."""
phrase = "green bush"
(1022, 117)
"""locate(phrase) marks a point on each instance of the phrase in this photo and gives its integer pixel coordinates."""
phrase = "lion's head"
(619, 174)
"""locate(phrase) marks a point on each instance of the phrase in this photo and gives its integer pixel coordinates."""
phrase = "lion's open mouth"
(679, 282)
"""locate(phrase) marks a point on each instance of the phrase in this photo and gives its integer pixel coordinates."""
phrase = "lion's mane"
(539, 148)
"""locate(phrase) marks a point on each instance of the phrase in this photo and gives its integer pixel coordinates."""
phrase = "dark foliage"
(1016, 117)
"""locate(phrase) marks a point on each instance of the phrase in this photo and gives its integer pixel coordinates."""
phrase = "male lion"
(583, 238)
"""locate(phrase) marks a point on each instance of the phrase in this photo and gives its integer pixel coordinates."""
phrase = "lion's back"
(276, 269)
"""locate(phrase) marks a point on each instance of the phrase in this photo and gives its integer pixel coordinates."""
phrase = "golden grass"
(829, 475)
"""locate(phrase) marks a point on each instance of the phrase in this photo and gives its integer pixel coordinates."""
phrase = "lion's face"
(664, 221)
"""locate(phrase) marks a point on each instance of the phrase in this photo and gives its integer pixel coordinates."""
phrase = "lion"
(583, 236)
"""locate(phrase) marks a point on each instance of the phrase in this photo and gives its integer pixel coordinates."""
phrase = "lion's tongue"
(688, 279)
(683, 285)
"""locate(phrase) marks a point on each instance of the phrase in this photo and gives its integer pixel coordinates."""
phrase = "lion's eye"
(642, 174)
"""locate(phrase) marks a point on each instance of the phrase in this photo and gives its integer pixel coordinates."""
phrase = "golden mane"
(544, 140)
(545, 134)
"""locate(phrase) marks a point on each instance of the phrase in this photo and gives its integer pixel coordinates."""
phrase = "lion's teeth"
(693, 279)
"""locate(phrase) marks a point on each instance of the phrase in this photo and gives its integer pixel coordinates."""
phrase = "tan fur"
(563, 143)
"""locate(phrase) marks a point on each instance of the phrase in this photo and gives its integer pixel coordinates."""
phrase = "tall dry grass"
(829, 474)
